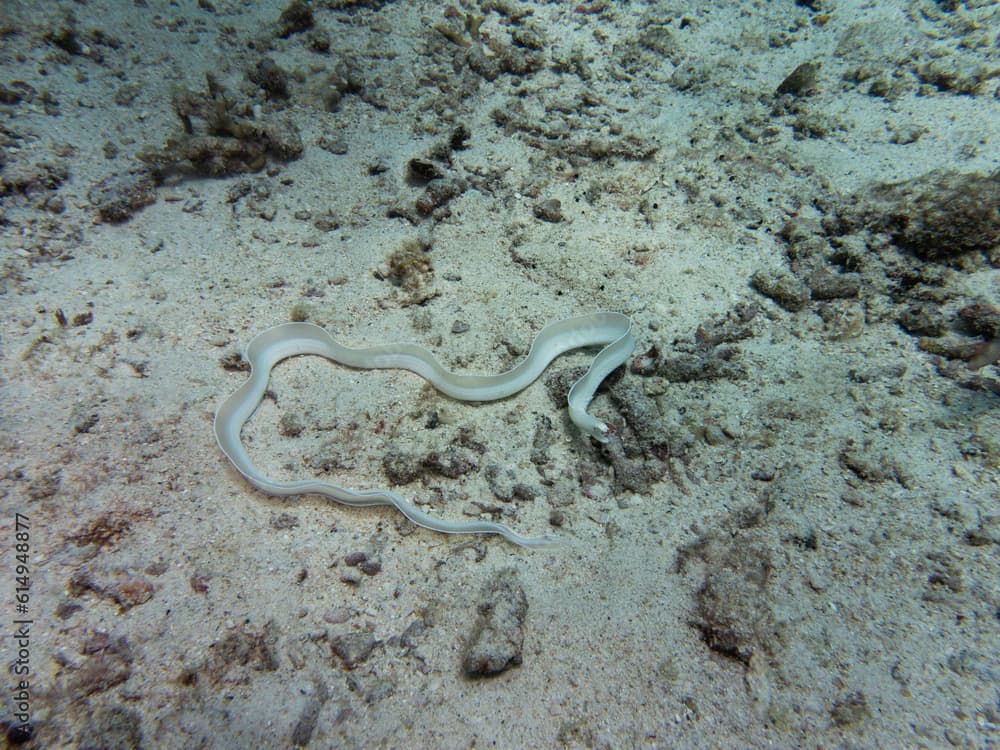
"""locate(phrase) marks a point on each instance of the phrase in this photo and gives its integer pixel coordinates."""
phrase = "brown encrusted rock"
(222, 137)
(733, 612)
(270, 77)
(782, 287)
(922, 320)
(400, 467)
(449, 463)
(937, 216)
(549, 210)
(497, 638)
(352, 648)
(800, 81)
(295, 18)
(31, 178)
(825, 284)
(119, 196)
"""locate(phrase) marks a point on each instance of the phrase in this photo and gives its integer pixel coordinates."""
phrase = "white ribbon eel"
(611, 330)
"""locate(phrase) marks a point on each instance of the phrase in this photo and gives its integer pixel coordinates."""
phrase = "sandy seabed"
(790, 541)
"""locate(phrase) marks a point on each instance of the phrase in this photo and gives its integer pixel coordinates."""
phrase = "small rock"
(355, 558)
(351, 576)
(401, 468)
(295, 18)
(850, 710)
(800, 81)
(498, 636)
(370, 567)
(117, 197)
(550, 210)
(922, 320)
(271, 77)
(337, 616)
(824, 284)
(782, 287)
(352, 648)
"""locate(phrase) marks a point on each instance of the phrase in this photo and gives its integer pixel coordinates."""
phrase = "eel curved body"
(611, 330)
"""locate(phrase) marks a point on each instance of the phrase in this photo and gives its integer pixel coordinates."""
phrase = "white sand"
(173, 606)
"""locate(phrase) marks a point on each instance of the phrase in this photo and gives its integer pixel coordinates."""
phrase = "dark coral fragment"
(938, 216)
(352, 649)
(981, 318)
(21, 177)
(800, 81)
(826, 285)
(230, 141)
(271, 77)
(497, 638)
(118, 197)
(733, 613)
(783, 287)
(295, 18)
(922, 320)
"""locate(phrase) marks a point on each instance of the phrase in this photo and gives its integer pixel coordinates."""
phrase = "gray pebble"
(550, 210)
(497, 637)
(352, 648)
